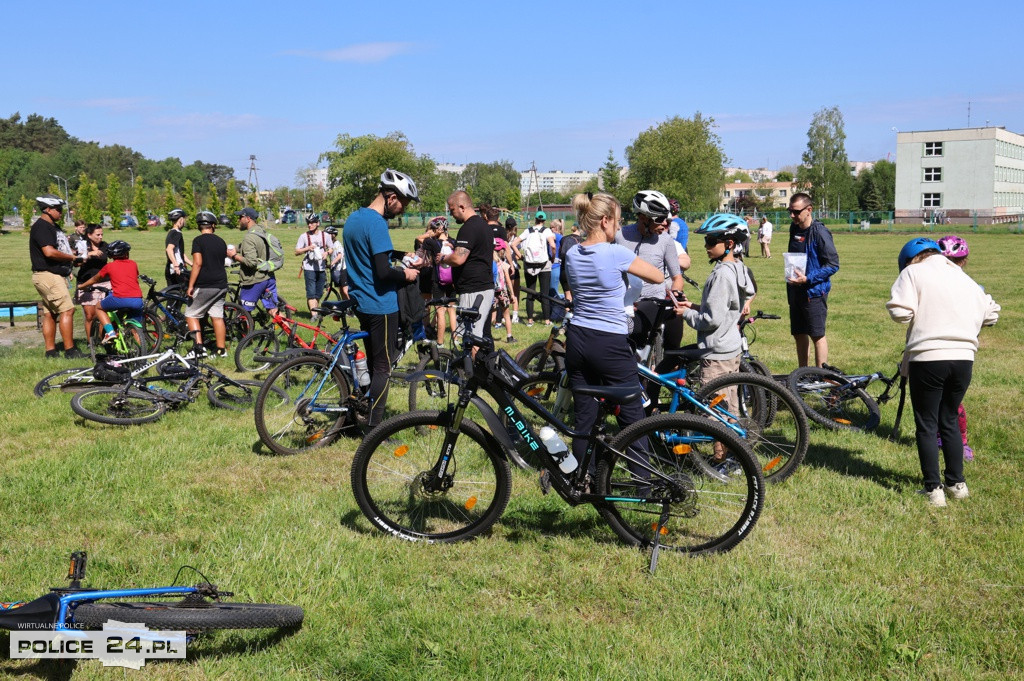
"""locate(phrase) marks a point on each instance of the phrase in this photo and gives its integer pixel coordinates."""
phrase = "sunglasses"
(710, 241)
(793, 211)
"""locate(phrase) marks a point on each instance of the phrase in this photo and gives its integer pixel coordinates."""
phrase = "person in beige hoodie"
(945, 310)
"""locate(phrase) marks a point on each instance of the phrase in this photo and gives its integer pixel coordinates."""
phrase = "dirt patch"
(22, 334)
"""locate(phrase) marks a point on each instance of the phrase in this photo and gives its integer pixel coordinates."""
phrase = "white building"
(317, 177)
(554, 181)
(960, 174)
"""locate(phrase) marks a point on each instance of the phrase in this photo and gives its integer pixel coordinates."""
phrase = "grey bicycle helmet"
(399, 183)
(652, 203)
(205, 217)
(119, 249)
(176, 215)
(331, 229)
(312, 217)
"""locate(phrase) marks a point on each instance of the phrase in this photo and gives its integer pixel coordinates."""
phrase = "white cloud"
(364, 53)
(210, 121)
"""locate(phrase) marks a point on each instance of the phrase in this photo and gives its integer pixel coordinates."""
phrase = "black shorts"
(440, 291)
(806, 315)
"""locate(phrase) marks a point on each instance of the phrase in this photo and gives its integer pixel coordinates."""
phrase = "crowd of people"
(614, 275)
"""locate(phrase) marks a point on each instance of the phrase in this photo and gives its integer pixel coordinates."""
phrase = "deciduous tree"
(232, 201)
(170, 201)
(115, 201)
(682, 158)
(826, 169)
(87, 200)
(188, 203)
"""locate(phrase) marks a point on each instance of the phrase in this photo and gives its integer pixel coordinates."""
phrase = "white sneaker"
(958, 491)
(936, 497)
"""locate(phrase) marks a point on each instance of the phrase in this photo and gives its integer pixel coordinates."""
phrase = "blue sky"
(559, 84)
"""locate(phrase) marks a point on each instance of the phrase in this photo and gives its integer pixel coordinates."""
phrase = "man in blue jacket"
(807, 291)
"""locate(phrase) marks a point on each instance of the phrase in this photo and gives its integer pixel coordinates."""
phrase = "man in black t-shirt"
(175, 272)
(52, 258)
(208, 282)
(472, 260)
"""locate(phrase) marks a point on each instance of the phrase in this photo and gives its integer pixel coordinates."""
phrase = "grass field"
(849, 574)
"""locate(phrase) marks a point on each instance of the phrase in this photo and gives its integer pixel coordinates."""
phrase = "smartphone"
(679, 295)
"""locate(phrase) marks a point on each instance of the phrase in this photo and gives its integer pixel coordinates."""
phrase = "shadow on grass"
(845, 461)
(62, 670)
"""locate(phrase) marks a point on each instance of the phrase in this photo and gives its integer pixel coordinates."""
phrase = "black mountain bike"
(840, 401)
(438, 476)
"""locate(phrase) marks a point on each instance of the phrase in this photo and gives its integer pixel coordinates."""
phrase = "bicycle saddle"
(613, 394)
(688, 353)
(335, 306)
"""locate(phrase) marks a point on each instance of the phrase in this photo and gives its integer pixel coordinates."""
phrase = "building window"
(933, 148)
(931, 200)
(726, 193)
(782, 193)
(933, 174)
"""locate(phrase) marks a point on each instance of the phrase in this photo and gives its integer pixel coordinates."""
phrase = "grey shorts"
(469, 300)
(207, 302)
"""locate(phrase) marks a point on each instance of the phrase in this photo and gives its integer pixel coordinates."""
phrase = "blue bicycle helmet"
(915, 247)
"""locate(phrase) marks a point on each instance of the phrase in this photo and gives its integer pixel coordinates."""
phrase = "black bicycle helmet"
(205, 217)
(331, 229)
(399, 183)
(312, 217)
(119, 249)
(176, 214)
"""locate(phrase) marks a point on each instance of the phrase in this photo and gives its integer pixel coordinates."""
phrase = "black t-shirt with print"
(45, 233)
(475, 274)
(213, 250)
(174, 238)
(93, 263)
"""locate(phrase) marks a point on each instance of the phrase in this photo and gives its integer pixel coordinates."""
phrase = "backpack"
(275, 254)
(535, 247)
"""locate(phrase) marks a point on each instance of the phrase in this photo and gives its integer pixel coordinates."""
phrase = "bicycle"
(130, 340)
(168, 305)
(437, 476)
(840, 401)
(747, 328)
(200, 607)
(136, 401)
(261, 348)
(546, 355)
(79, 378)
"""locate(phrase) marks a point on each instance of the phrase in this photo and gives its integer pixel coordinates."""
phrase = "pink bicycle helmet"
(953, 246)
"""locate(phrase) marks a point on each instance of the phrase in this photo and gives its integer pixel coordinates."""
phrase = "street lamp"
(132, 174)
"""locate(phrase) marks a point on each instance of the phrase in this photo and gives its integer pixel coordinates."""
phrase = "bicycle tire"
(135, 339)
(536, 359)
(154, 329)
(428, 394)
(758, 367)
(830, 400)
(292, 426)
(58, 380)
(252, 351)
(191, 614)
(239, 395)
(711, 514)
(116, 406)
(392, 464)
(237, 322)
(778, 437)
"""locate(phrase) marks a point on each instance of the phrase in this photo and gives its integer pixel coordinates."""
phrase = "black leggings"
(380, 346)
(545, 284)
(936, 391)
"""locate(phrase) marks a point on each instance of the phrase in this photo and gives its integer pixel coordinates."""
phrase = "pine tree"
(139, 204)
(87, 200)
(233, 202)
(115, 202)
(188, 201)
(170, 201)
(25, 207)
(215, 206)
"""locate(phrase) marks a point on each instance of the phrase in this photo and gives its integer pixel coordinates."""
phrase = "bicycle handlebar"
(554, 301)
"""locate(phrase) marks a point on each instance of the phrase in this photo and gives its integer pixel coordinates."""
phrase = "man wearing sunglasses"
(807, 291)
(52, 259)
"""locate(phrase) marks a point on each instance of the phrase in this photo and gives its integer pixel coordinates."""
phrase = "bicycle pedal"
(545, 482)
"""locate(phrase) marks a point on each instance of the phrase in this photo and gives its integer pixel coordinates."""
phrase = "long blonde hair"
(590, 208)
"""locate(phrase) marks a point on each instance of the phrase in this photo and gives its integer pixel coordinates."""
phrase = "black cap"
(248, 212)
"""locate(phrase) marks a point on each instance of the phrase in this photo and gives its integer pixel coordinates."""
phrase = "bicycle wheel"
(777, 437)
(433, 393)
(252, 352)
(315, 411)
(758, 367)
(118, 407)
(706, 513)
(237, 322)
(536, 359)
(136, 340)
(191, 614)
(241, 395)
(830, 400)
(394, 481)
(59, 380)
(154, 329)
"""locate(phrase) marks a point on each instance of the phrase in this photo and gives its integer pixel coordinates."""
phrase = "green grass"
(848, 573)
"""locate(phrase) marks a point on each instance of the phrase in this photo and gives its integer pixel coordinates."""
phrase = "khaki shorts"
(713, 368)
(207, 301)
(53, 289)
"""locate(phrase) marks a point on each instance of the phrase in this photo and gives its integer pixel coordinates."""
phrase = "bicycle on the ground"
(840, 401)
(438, 476)
(196, 608)
(138, 400)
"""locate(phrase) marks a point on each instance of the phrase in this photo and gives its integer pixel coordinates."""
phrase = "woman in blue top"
(596, 349)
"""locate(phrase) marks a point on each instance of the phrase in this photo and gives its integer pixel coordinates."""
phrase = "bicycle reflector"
(402, 451)
(663, 531)
(680, 450)
(470, 503)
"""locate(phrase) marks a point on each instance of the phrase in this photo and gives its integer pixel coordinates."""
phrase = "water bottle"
(558, 449)
(362, 370)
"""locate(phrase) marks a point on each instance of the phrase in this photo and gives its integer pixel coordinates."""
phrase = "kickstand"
(894, 436)
(657, 537)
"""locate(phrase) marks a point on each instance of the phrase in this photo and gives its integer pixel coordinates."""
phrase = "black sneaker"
(74, 353)
(219, 352)
(53, 354)
(510, 339)
(197, 352)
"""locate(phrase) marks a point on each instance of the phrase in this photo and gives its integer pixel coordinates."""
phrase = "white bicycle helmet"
(400, 183)
(49, 201)
(652, 203)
